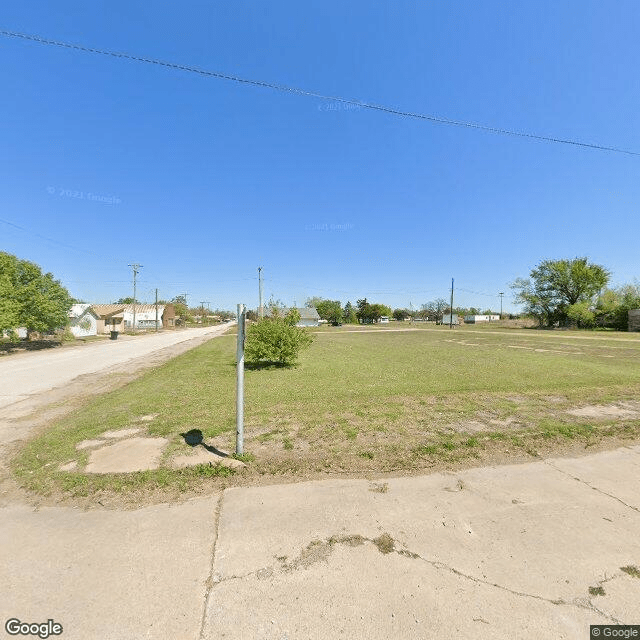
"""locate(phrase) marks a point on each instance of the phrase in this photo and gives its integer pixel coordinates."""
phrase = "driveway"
(24, 374)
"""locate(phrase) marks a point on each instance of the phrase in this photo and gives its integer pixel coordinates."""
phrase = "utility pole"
(451, 308)
(260, 310)
(135, 268)
(187, 308)
(156, 310)
(501, 294)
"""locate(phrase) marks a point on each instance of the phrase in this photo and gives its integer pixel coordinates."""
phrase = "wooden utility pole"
(156, 310)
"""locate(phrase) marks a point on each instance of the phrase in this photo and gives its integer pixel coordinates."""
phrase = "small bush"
(275, 340)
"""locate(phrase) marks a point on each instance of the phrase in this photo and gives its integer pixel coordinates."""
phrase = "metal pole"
(156, 310)
(451, 308)
(240, 383)
(501, 294)
(260, 310)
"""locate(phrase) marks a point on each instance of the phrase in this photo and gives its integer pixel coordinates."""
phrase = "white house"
(145, 316)
(486, 318)
(83, 320)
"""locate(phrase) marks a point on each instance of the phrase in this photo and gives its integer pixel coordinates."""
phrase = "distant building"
(308, 316)
(384, 320)
(447, 319)
(119, 317)
(83, 320)
(477, 318)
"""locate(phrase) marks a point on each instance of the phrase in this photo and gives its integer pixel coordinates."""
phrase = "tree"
(378, 310)
(364, 312)
(556, 285)
(276, 340)
(330, 310)
(433, 309)
(613, 305)
(349, 314)
(30, 298)
(401, 314)
(126, 301)
(183, 315)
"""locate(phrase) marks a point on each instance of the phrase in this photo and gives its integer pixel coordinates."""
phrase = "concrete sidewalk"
(528, 551)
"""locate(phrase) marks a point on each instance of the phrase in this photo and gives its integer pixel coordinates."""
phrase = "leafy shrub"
(276, 340)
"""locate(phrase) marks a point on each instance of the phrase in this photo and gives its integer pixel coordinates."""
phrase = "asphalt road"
(24, 374)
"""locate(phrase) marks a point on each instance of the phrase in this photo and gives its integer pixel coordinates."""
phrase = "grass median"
(359, 402)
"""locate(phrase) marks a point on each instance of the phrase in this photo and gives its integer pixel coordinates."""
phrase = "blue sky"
(106, 162)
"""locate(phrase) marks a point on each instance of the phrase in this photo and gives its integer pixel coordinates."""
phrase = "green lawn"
(364, 401)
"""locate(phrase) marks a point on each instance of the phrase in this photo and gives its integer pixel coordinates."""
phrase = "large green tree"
(30, 298)
(330, 310)
(560, 291)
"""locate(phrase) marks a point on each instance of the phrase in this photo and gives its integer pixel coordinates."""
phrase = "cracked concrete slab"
(108, 574)
(126, 456)
(607, 472)
(360, 593)
(492, 552)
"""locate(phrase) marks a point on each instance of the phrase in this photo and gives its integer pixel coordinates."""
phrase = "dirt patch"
(204, 456)
(385, 543)
(605, 412)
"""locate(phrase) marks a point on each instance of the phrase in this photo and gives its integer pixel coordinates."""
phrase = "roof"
(79, 309)
(106, 310)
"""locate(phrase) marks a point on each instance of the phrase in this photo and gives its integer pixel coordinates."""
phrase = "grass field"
(366, 401)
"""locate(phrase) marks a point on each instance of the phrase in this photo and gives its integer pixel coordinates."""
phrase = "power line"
(303, 92)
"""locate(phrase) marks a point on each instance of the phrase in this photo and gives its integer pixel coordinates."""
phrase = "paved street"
(23, 374)
(540, 550)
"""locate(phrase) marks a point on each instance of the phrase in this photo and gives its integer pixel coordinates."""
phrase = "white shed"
(83, 320)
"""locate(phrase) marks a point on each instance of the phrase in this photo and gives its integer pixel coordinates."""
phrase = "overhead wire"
(314, 94)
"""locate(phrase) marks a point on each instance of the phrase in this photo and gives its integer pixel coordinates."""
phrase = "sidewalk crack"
(604, 493)
(209, 581)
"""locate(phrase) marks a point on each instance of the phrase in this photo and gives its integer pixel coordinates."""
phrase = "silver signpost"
(240, 382)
